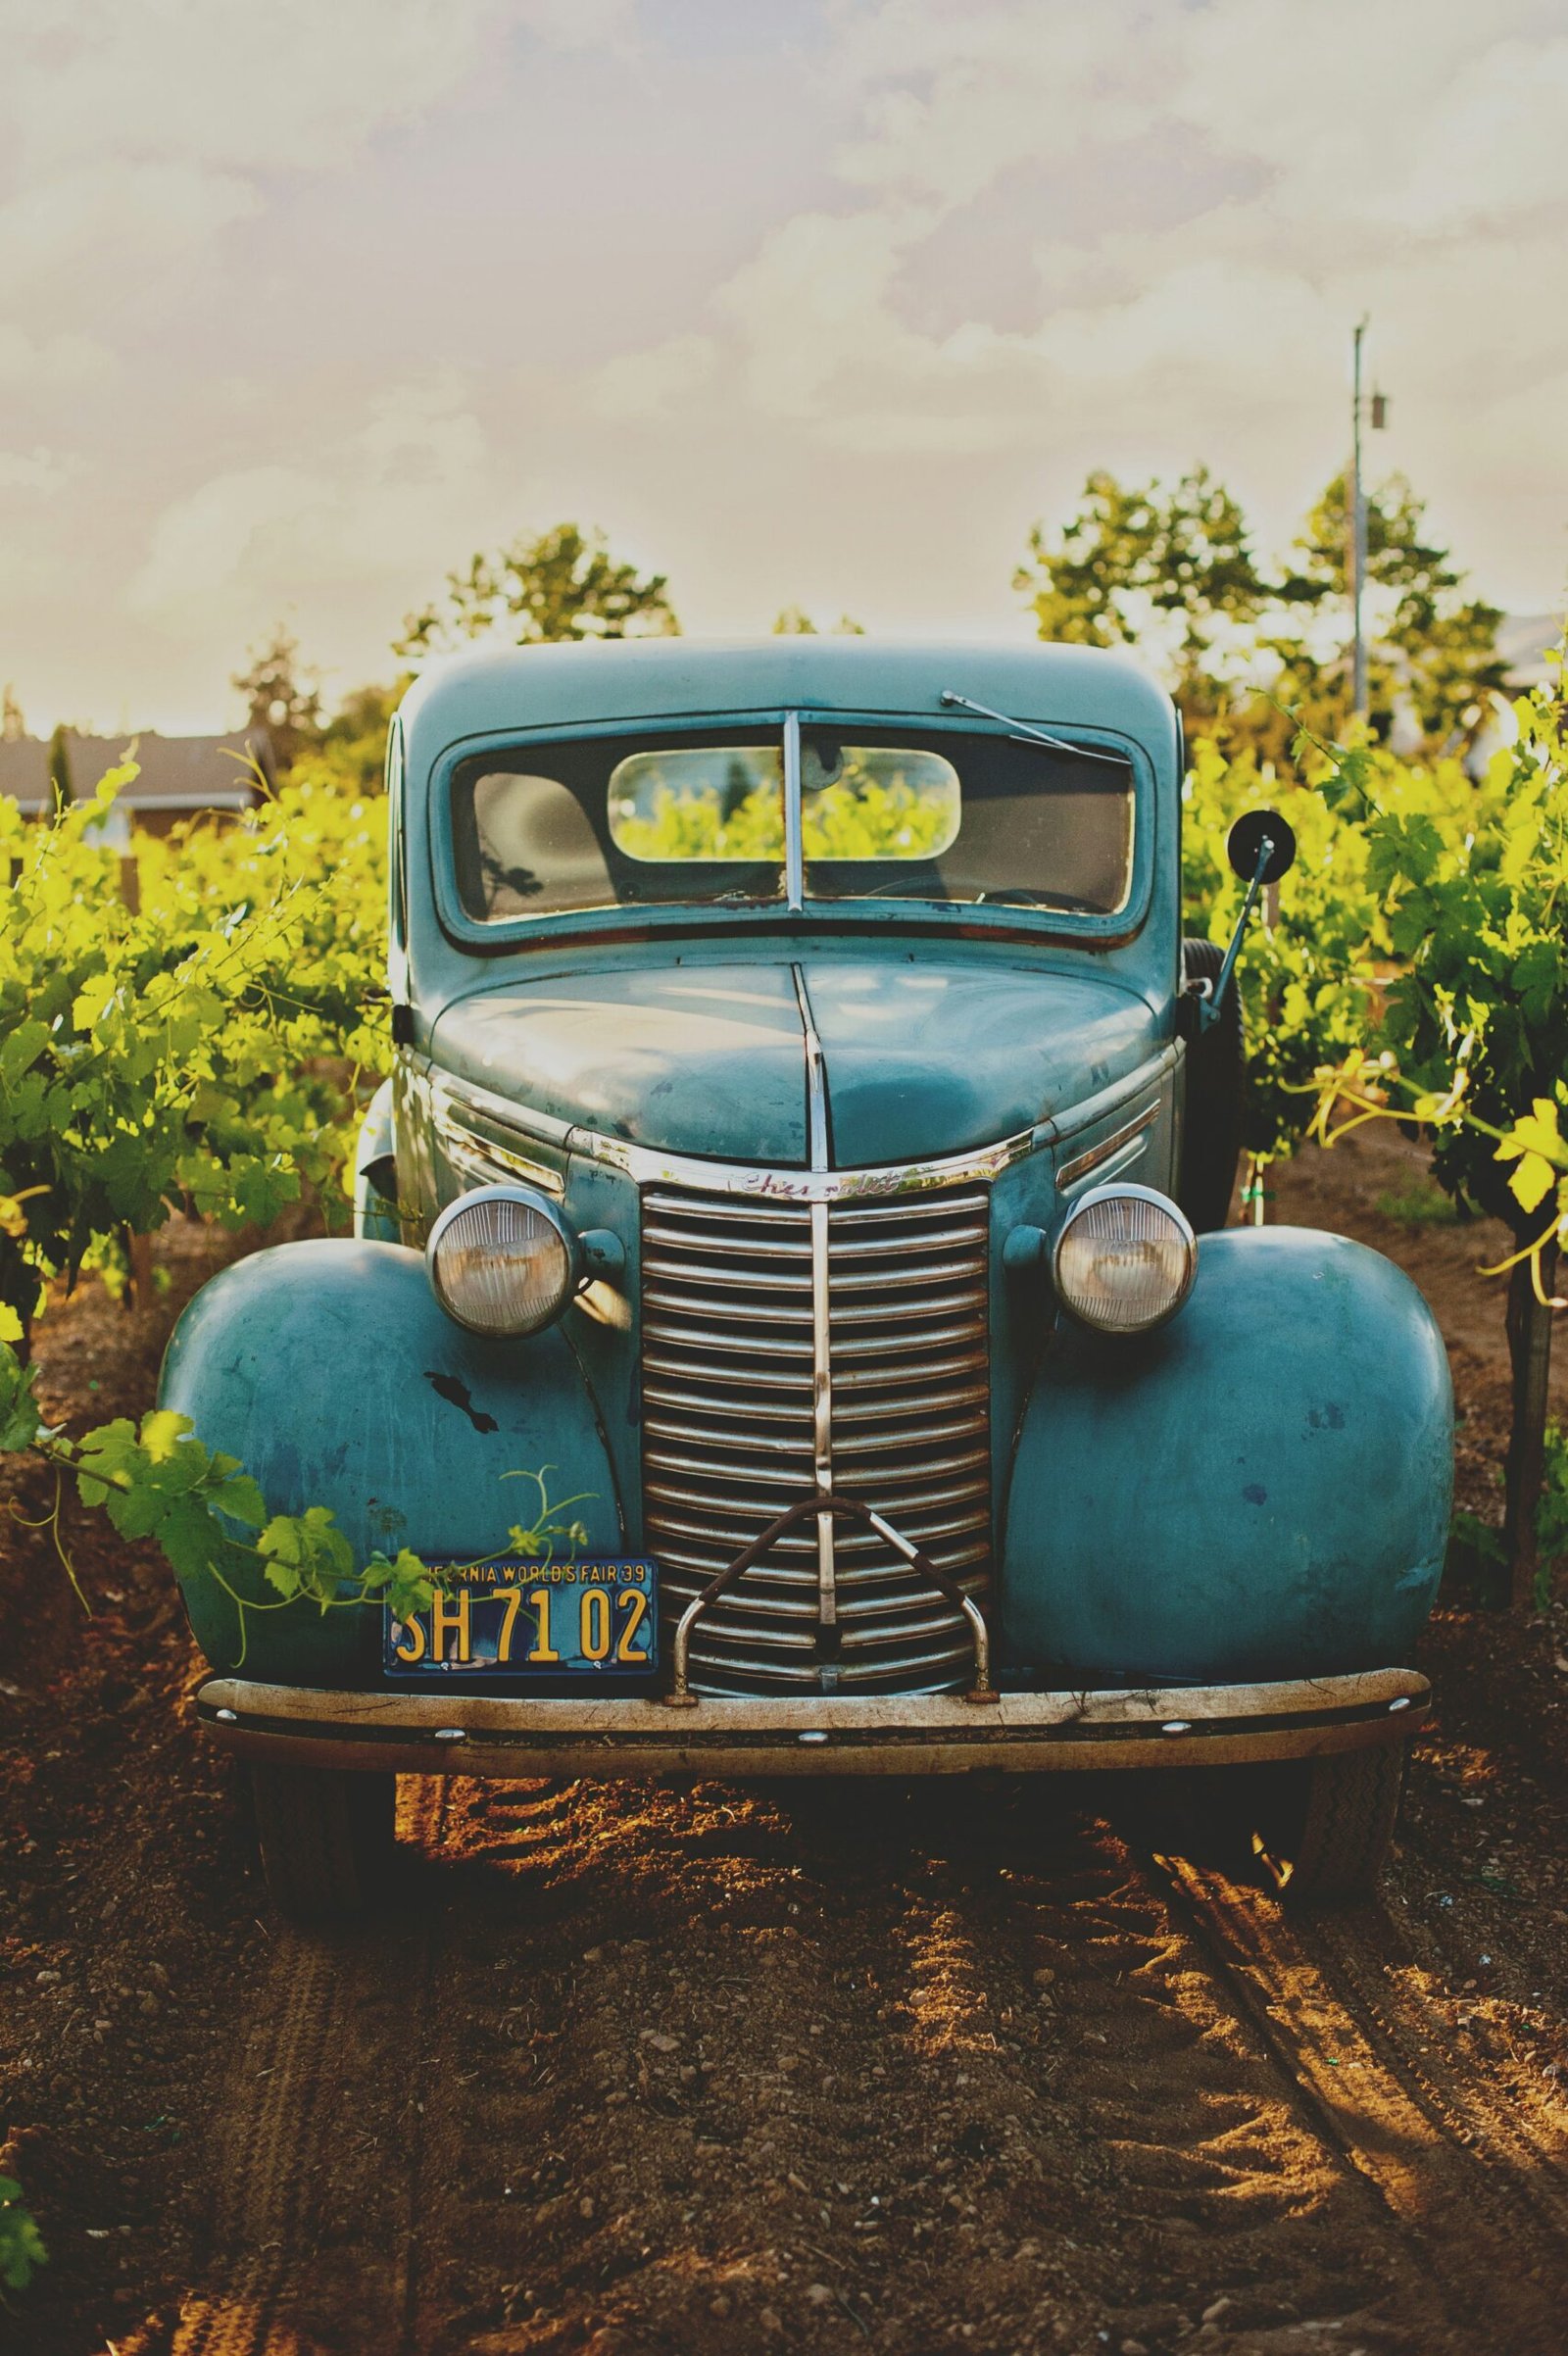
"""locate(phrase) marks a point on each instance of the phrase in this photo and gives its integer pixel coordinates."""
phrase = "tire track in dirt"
(932, 2063)
(1481, 2185)
(311, 2224)
(692, 2071)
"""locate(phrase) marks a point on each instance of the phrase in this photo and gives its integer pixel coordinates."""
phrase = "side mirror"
(1243, 846)
(1260, 848)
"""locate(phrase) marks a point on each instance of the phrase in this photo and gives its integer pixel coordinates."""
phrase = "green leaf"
(20, 1419)
(240, 1497)
(22, 2247)
(26, 1041)
(306, 1554)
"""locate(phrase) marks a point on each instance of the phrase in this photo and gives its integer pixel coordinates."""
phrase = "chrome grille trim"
(789, 1343)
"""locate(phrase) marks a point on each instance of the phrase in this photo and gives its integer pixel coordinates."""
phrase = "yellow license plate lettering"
(512, 1598)
(593, 1626)
(452, 1615)
(541, 1650)
(632, 1603)
(410, 1645)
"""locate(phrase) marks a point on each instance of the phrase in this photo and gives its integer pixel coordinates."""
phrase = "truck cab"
(806, 1159)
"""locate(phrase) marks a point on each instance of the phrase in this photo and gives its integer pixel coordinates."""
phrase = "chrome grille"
(727, 1397)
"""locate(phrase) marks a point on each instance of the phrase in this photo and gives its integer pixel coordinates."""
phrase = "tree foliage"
(563, 585)
(793, 621)
(1171, 567)
(282, 696)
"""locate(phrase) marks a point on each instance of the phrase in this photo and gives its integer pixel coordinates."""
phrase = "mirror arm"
(1210, 1009)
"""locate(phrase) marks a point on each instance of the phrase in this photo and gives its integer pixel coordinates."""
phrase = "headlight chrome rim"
(491, 1321)
(1070, 1291)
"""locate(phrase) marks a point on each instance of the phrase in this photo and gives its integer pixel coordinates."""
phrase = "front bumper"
(893, 1734)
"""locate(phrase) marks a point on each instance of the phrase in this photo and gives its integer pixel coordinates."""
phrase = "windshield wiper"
(1024, 733)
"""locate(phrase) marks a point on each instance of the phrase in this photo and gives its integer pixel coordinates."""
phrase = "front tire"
(1327, 1833)
(327, 1840)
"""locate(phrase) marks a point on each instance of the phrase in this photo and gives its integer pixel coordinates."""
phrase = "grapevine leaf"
(306, 1554)
(161, 1431)
(239, 1497)
(21, 1421)
(404, 1584)
(191, 1537)
(1531, 1182)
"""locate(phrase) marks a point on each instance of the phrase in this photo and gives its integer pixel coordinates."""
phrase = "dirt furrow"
(312, 2212)
(893, 2062)
(1487, 2210)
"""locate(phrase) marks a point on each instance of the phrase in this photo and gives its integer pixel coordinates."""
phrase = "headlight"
(502, 1261)
(1124, 1259)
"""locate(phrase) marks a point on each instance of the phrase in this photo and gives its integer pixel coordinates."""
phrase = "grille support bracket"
(828, 1507)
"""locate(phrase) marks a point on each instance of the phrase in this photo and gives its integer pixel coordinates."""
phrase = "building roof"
(176, 772)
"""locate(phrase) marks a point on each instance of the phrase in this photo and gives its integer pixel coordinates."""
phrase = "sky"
(818, 303)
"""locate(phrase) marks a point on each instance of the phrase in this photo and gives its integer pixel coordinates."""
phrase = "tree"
(351, 753)
(565, 584)
(1174, 560)
(1426, 643)
(280, 696)
(1171, 567)
(60, 769)
(793, 621)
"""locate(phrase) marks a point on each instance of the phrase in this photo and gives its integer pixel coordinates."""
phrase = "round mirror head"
(1246, 840)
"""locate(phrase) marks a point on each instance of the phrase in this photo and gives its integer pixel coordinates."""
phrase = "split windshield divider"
(794, 820)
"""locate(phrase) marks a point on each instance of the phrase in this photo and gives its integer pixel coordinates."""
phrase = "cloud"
(225, 84)
(40, 471)
(379, 505)
(48, 363)
(642, 385)
(1218, 190)
(581, 23)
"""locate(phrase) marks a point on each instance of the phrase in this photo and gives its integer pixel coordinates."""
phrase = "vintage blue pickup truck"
(805, 1115)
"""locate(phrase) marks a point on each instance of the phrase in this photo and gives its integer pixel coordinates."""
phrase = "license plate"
(511, 1618)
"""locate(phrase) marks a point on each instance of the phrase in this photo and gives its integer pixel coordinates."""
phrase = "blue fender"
(1262, 1488)
(332, 1372)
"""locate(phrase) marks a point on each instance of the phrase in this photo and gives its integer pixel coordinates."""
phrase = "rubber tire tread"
(1352, 1804)
(1212, 1116)
(326, 1837)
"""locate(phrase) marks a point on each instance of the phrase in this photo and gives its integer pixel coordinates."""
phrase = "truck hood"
(921, 1061)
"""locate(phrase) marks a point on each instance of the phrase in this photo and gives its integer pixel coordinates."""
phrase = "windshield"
(944, 817)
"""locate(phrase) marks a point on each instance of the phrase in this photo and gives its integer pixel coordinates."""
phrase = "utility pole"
(1356, 554)
(1358, 521)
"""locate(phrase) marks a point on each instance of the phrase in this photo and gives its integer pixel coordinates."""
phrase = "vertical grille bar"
(736, 1411)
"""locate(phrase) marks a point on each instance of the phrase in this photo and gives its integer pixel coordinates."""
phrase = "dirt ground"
(797, 2067)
